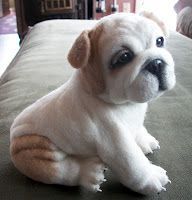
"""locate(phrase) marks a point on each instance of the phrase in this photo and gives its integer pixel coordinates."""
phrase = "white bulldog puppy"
(95, 120)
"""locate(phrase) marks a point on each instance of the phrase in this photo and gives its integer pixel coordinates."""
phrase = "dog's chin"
(146, 87)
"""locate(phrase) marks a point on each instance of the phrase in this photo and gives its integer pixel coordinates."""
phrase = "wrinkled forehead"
(128, 29)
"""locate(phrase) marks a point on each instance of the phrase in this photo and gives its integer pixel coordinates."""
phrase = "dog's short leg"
(92, 174)
(131, 166)
(38, 158)
(146, 142)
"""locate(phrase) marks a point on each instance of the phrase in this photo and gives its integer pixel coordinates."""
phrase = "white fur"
(107, 129)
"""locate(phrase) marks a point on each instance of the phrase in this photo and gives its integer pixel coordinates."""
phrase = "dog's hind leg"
(38, 158)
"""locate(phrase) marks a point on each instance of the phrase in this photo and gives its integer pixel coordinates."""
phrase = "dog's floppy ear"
(159, 22)
(80, 51)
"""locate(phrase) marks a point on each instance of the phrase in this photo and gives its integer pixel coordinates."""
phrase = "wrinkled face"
(135, 64)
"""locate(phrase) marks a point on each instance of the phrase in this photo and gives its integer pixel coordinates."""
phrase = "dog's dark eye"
(121, 58)
(160, 42)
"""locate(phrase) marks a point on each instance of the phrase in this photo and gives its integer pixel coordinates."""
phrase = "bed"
(41, 66)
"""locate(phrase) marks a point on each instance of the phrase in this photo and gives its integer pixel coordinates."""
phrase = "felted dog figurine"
(96, 118)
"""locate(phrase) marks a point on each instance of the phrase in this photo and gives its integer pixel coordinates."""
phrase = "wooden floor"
(9, 46)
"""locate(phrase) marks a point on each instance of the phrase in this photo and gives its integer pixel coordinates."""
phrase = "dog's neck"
(88, 83)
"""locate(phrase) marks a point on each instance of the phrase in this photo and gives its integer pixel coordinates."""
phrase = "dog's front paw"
(155, 181)
(147, 143)
(92, 174)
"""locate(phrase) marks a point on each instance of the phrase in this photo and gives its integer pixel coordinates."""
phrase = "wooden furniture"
(22, 26)
(34, 11)
(31, 12)
(5, 7)
(108, 7)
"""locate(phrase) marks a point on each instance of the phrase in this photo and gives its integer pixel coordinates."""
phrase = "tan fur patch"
(79, 54)
(35, 156)
(92, 74)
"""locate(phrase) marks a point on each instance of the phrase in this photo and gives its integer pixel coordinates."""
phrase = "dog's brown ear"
(80, 51)
(159, 22)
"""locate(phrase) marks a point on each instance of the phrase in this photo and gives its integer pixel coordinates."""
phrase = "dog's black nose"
(156, 67)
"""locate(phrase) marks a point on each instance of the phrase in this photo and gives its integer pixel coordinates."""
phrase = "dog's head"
(123, 58)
